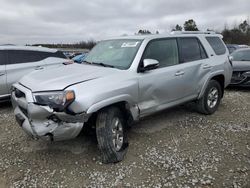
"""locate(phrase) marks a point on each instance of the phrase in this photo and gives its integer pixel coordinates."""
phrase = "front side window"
(3, 57)
(23, 56)
(217, 45)
(118, 53)
(243, 55)
(191, 50)
(165, 51)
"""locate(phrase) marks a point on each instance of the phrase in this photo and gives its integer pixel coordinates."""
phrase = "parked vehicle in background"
(74, 55)
(232, 47)
(241, 67)
(243, 46)
(122, 80)
(67, 54)
(17, 61)
(79, 58)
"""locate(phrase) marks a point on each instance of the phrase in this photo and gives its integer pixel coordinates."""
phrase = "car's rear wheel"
(210, 101)
(111, 134)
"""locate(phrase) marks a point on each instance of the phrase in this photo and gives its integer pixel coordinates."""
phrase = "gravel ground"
(174, 148)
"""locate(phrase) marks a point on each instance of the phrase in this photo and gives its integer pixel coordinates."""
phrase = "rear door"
(3, 83)
(22, 62)
(195, 65)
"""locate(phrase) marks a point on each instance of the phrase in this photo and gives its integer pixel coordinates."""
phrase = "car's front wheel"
(210, 101)
(111, 134)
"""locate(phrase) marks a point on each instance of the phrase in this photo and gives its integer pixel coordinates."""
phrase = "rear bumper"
(42, 122)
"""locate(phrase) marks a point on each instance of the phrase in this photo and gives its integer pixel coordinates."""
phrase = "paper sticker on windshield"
(129, 44)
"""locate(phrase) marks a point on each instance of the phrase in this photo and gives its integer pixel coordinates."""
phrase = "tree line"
(79, 45)
(239, 34)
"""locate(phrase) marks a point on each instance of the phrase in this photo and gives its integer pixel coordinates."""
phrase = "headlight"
(57, 100)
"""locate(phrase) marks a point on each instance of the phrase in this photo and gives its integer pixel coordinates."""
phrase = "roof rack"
(192, 32)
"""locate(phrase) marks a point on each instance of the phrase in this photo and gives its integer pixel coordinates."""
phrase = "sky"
(69, 21)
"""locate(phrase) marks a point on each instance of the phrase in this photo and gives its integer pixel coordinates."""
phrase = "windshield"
(118, 53)
(243, 55)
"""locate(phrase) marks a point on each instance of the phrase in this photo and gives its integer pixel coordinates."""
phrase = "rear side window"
(22, 56)
(3, 57)
(58, 54)
(164, 50)
(217, 45)
(191, 50)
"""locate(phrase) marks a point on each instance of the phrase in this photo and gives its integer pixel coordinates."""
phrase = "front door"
(162, 86)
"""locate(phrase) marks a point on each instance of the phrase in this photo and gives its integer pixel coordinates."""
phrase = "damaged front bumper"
(240, 78)
(42, 122)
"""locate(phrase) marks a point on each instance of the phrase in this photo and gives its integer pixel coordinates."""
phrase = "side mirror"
(150, 64)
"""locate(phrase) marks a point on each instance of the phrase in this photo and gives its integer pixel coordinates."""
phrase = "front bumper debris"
(240, 78)
(41, 122)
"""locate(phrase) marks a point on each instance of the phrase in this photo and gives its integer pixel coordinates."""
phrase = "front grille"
(237, 77)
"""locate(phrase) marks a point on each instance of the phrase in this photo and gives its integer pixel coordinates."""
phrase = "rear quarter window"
(58, 54)
(217, 45)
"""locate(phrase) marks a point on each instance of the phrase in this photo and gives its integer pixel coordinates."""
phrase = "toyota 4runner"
(122, 80)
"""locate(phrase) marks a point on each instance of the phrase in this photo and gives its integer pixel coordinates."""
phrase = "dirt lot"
(174, 148)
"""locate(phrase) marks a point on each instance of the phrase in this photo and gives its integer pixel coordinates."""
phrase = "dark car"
(241, 67)
(232, 47)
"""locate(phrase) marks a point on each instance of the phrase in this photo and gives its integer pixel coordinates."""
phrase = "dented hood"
(52, 79)
(241, 65)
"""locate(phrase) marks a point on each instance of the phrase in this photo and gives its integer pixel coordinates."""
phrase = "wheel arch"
(125, 103)
(220, 78)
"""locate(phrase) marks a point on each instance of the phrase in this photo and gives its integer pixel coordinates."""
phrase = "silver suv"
(17, 61)
(122, 80)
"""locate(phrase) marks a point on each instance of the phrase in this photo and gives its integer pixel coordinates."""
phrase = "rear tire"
(111, 135)
(210, 101)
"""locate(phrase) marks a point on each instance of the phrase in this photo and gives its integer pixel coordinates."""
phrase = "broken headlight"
(57, 100)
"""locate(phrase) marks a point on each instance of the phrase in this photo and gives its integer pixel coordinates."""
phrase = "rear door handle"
(207, 66)
(39, 68)
(179, 73)
(2, 74)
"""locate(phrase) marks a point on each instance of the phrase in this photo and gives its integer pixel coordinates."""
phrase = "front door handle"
(207, 66)
(39, 68)
(2, 73)
(179, 73)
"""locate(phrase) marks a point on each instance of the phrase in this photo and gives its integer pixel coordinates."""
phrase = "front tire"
(210, 101)
(111, 134)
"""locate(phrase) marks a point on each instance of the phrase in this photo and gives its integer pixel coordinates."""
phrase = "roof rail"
(192, 32)
(7, 45)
